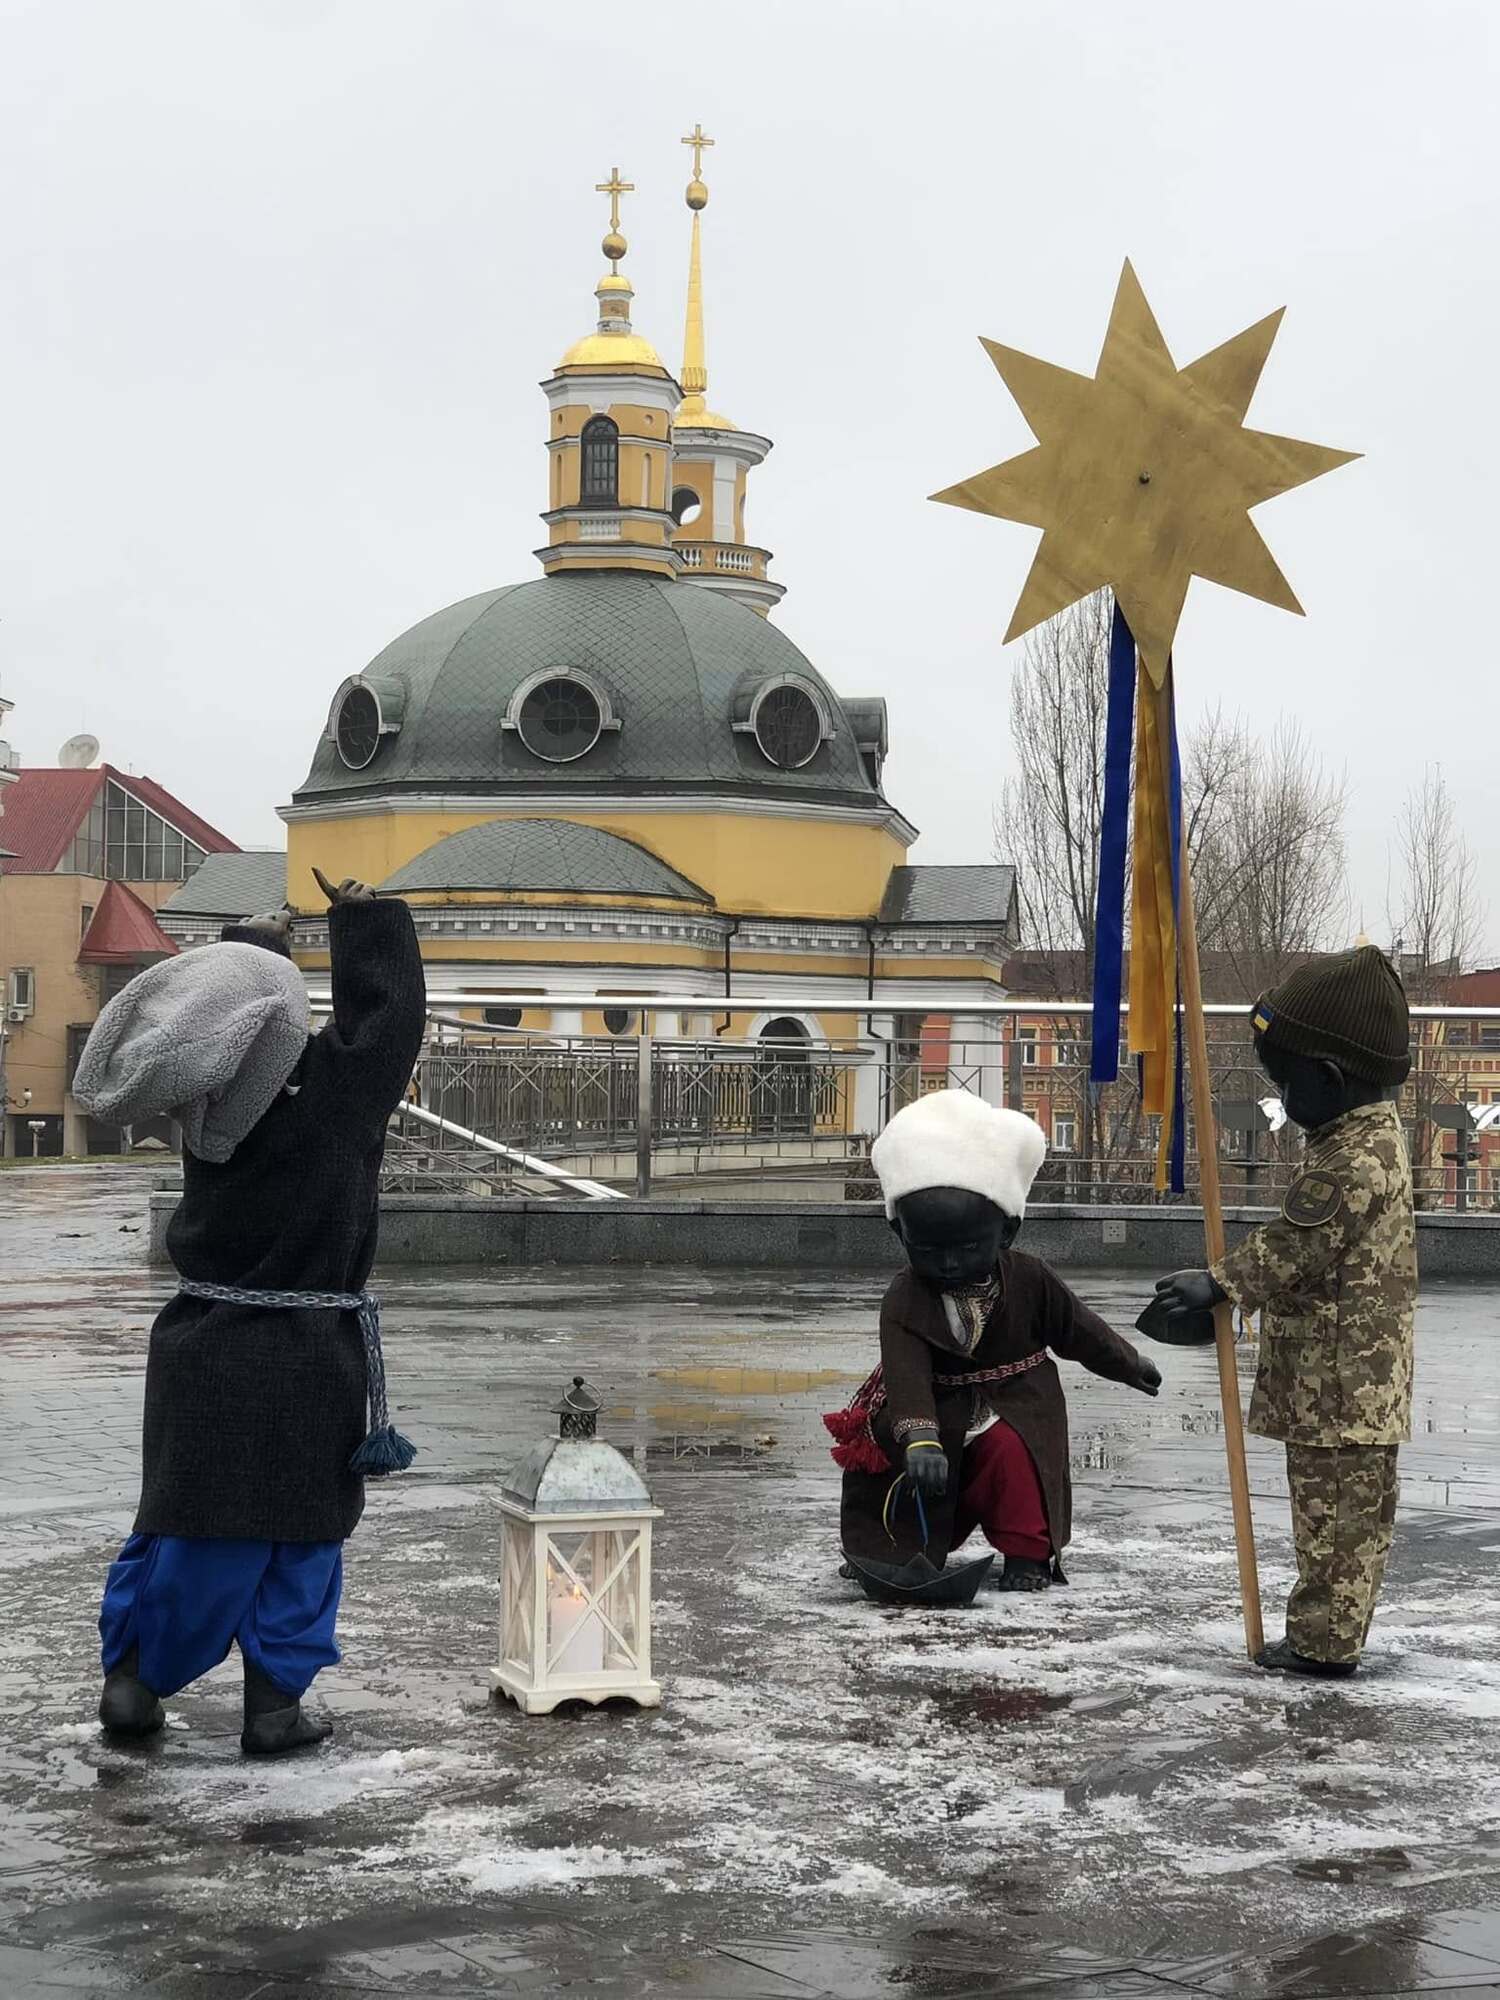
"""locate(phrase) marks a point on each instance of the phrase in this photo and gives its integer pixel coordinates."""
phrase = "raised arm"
(379, 1003)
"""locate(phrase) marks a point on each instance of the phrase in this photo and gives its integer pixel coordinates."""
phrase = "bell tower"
(610, 405)
(714, 456)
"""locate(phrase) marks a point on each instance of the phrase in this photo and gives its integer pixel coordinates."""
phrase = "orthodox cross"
(614, 187)
(697, 140)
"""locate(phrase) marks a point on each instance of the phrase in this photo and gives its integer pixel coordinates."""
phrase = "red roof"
(44, 809)
(123, 931)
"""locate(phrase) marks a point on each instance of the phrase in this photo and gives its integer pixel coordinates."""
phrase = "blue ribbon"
(1114, 843)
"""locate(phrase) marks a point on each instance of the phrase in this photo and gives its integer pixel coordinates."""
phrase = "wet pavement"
(1088, 1792)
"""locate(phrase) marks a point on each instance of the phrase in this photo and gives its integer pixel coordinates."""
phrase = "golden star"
(1143, 475)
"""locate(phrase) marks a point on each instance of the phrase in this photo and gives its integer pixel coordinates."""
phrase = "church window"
(619, 1020)
(561, 715)
(600, 473)
(502, 1017)
(686, 506)
(789, 723)
(559, 721)
(357, 728)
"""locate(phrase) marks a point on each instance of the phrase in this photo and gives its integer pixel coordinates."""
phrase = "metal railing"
(529, 1110)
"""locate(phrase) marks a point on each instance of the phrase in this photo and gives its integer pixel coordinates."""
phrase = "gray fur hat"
(209, 1038)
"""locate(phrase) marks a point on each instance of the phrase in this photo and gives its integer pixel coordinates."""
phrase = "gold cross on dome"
(697, 140)
(614, 187)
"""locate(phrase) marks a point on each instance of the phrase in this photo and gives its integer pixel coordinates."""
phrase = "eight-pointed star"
(1143, 475)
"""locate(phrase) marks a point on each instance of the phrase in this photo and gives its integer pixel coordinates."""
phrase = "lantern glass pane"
(575, 1637)
(620, 1551)
(516, 1598)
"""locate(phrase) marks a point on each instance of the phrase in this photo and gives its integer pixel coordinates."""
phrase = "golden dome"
(614, 246)
(612, 350)
(694, 415)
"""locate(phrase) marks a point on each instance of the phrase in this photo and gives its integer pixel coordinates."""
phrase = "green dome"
(516, 855)
(672, 674)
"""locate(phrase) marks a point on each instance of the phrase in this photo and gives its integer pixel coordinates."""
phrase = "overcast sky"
(278, 281)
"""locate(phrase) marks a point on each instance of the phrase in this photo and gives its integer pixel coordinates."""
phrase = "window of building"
(788, 724)
(619, 1020)
(85, 918)
(1489, 1034)
(1457, 1034)
(559, 721)
(686, 506)
(561, 715)
(124, 841)
(502, 1017)
(599, 478)
(1027, 1038)
(1065, 1135)
(20, 992)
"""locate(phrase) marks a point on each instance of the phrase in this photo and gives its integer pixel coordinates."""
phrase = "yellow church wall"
(749, 865)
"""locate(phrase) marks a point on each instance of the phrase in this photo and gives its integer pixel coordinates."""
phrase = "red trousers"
(1001, 1493)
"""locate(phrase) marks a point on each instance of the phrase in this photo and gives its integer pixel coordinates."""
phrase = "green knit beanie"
(1350, 1009)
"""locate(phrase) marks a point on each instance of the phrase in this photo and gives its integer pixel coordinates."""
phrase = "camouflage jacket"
(1336, 1274)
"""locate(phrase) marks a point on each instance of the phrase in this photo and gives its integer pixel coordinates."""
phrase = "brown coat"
(925, 1383)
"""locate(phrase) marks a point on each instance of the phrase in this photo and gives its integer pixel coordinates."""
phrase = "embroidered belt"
(855, 1447)
(384, 1449)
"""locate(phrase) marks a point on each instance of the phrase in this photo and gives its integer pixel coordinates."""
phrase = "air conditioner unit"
(18, 1013)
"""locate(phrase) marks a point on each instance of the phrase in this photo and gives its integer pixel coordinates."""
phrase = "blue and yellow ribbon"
(1154, 1029)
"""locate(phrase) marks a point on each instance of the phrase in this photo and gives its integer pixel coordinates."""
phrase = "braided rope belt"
(384, 1449)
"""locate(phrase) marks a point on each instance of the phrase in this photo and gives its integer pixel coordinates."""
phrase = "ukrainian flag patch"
(1261, 1020)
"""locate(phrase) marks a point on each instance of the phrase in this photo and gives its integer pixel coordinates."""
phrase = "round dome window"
(356, 728)
(788, 726)
(560, 720)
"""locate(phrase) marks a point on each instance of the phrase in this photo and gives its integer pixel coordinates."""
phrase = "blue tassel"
(383, 1451)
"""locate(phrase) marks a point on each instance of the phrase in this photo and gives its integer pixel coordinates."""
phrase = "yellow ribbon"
(1152, 1022)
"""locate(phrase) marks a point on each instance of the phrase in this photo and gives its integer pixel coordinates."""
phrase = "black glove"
(1189, 1292)
(1146, 1376)
(927, 1469)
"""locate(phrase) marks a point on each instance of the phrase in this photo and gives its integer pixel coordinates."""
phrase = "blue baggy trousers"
(184, 1601)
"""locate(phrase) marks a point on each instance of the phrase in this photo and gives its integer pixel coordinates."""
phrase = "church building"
(622, 777)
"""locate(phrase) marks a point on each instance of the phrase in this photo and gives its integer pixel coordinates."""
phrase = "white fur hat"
(954, 1139)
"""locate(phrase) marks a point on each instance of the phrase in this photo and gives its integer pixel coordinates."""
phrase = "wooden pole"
(1196, 1032)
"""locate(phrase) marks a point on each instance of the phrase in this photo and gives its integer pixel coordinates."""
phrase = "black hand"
(348, 891)
(927, 1469)
(1147, 1377)
(1189, 1292)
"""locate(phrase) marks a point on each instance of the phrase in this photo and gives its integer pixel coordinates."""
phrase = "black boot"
(127, 1706)
(1283, 1658)
(274, 1722)
(1025, 1573)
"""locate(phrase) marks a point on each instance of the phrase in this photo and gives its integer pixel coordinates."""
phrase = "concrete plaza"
(1089, 1792)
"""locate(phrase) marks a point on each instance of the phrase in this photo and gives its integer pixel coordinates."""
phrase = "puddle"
(753, 1381)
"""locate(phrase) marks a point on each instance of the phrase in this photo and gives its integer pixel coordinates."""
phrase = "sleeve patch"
(1312, 1199)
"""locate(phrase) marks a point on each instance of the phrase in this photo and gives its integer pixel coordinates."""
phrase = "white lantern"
(575, 1570)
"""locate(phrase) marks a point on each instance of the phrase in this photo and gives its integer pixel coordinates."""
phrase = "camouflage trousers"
(1343, 1509)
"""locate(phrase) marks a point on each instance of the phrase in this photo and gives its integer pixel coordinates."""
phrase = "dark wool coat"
(252, 1414)
(925, 1380)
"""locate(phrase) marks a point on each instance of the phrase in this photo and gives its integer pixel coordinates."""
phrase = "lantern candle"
(577, 1640)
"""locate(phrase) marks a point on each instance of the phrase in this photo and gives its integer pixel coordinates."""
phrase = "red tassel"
(855, 1449)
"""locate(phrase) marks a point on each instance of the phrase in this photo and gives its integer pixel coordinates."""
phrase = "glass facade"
(124, 841)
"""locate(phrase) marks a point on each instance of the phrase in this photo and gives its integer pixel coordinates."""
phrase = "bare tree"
(1271, 866)
(1435, 911)
(1048, 820)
